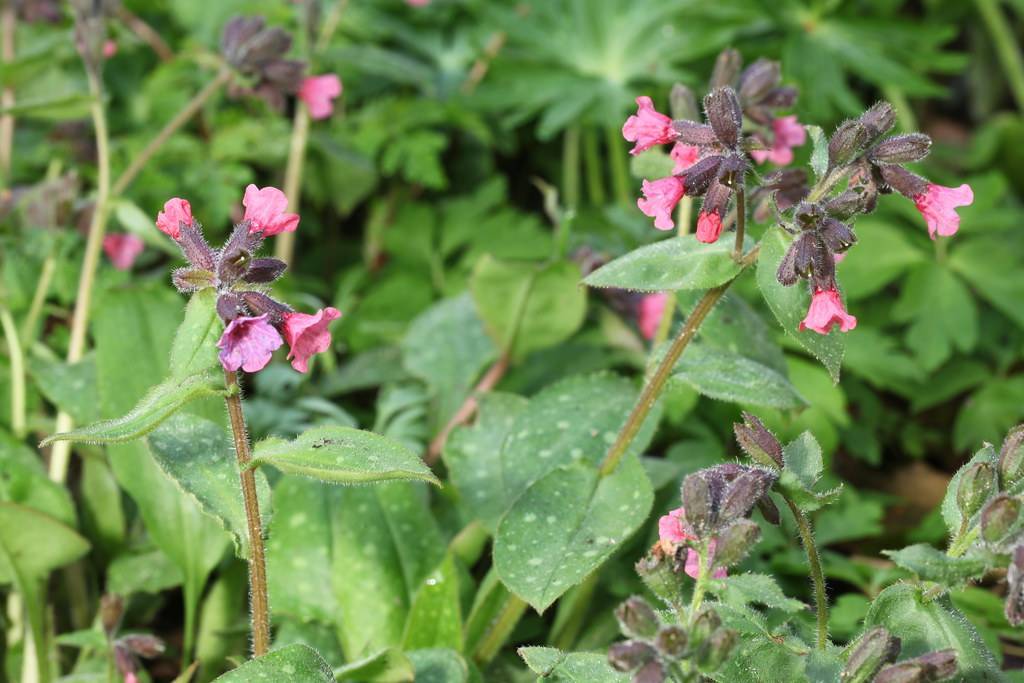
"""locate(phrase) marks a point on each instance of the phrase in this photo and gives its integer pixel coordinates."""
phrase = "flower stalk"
(817, 575)
(17, 359)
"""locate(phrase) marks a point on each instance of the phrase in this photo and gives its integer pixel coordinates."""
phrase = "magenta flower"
(838, 257)
(248, 343)
(308, 335)
(647, 127)
(685, 156)
(709, 227)
(660, 199)
(938, 206)
(788, 134)
(674, 531)
(652, 307)
(417, 3)
(122, 249)
(318, 92)
(176, 211)
(827, 309)
(109, 48)
(265, 211)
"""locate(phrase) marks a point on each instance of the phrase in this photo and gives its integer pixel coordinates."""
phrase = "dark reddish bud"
(803, 253)
(837, 236)
(977, 483)
(768, 508)
(722, 108)
(757, 441)
(999, 518)
(845, 205)
(143, 645)
(1014, 606)
(651, 672)
(284, 75)
(942, 662)
(735, 542)
(671, 642)
(779, 98)
(698, 177)
(194, 247)
(111, 611)
(879, 119)
(697, 502)
(935, 666)
(230, 306)
(692, 133)
(758, 79)
(733, 167)
(1011, 458)
(264, 270)
(727, 67)
(233, 264)
(247, 44)
(261, 304)
(744, 492)
(637, 619)
(872, 651)
(192, 279)
(902, 149)
(682, 104)
(823, 265)
(630, 655)
(849, 140)
(716, 649)
(903, 181)
(787, 274)
(124, 661)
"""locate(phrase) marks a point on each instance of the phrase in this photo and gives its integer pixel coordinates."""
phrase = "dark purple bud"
(697, 178)
(264, 270)
(242, 239)
(785, 178)
(735, 542)
(909, 671)
(90, 33)
(192, 279)
(716, 200)
(768, 508)
(845, 205)
(780, 98)
(1011, 457)
(837, 236)
(757, 441)
(261, 304)
(808, 215)
(849, 140)
(671, 642)
(697, 502)
(716, 649)
(803, 253)
(284, 75)
(879, 119)
(651, 672)
(787, 274)
(124, 661)
(1014, 606)
(876, 648)
(902, 149)
(931, 667)
(722, 108)
(758, 79)
(903, 181)
(630, 655)
(744, 492)
(823, 265)
(143, 645)
(727, 68)
(233, 265)
(693, 133)
(637, 619)
(237, 33)
(230, 306)
(682, 103)
(942, 663)
(111, 611)
(194, 247)
(706, 623)
(733, 167)
(977, 483)
(999, 517)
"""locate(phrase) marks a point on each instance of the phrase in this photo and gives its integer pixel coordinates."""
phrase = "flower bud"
(744, 492)
(637, 619)
(722, 108)
(735, 542)
(682, 103)
(696, 495)
(1014, 607)
(230, 306)
(111, 611)
(845, 205)
(903, 181)
(837, 236)
(847, 142)
(260, 303)
(194, 247)
(879, 119)
(940, 665)
(787, 274)
(671, 642)
(264, 270)
(143, 645)
(1011, 458)
(698, 177)
(875, 648)
(233, 264)
(758, 79)
(768, 508)
(779, 98)
(902, 149)
(999, 518)
(192, 279)
(757, 441)
(651, 672)
(716, 649)
(630, 655)
(977, 483)
(655, 570)
(727, 67)
(693, 133)
(706, 622)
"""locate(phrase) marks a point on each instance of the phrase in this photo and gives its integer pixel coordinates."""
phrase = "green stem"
(701, 586)
(684, 216)
(190, 594)
(499, 629)
(817, 575)
(617, 164)
(172, 126)
(28, 325)
(572, 611)
(284, 247)
(17, 358)
(259, 603)
(741, 222)
(61, 453)
(1006, 47)
(593, 166)
(571, 167)
(963, 541)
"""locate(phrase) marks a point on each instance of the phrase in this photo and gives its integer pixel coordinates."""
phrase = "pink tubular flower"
(673, 531)
(788, 134)
(264, 209)
(709, 227)
(826, 309)
(318, 92)
(122, 249)
(652, 307)
(938, 206)
(248, 343)
(417, 3)
(647, 127)
(308, 335)
(838, 257)
(109, 48)
(660, 199)
(685, 156)
(176, 211)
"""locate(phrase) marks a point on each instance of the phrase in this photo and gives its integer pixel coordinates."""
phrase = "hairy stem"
(61, 453)
(963, 541)
(172, 126)
(17, 359)
(259, 604)
(1006, 47)
(817, 575)
(700, 587)
(284, 247)
(468, 407)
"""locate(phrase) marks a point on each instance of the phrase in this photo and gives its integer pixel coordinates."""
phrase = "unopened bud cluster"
(127, 648)
(872, 659)
(258, 52)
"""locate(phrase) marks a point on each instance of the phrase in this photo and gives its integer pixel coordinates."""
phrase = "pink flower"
(685, 156)
(660, 199)
(647, 127)
(652, 307)
(318, 92)
(417, 3)
(130, 677)
(938, 206)
(788, 134)
(826, 309)
(839, 256)
(308, 335)
(109, 48)
(122, 249)
(264, 209)
(248, 343)
(673, 531)
(176, 211)
(709, 227)
(692, 567)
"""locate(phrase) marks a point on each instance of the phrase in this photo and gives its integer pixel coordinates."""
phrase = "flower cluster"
(872, 657)
(255, 322)
(128, 648)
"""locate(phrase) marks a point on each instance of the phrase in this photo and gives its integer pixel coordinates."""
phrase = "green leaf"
(22, 556)
(199, 457)
(803, 468)
(985, 263)
(58, 107)
(439, 665)
(492, 618)
(343, 455)
(195, 343)
(385, 666)
(435, 616)
(294, 663)
(150, 571)
(883, 253)
(819, 151)
(163, 401)
(735, 326)
(942, 314)
(566, 525)
(570, 667)
(745, 589)
(72, 388)
(789, 304)
(924, 626)
(990, 412)
(727, 376)
(24, 480)
(931, 564)
(674, 263)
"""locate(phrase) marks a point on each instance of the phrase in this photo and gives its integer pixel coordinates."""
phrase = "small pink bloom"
(660, 199)
(673, 530)
(318, 92)
(647, 127)
(417, 3)
(685, 156)
(109, 48)
(122, 249)
(176, 211)
(827, 309)
(248, 343)
(692, 567)
(652, 307)
(130, 677)
(709, 227)
(839, 256)
(265, 211)
(308, 335)
(938, 206)
(788, 134)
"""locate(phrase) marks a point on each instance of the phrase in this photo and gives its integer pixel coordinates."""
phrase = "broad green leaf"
(819, 150)
(789, 304)
(57, 107)
(727, 376)
(765, 657)
(570, 667)
(435, 616)
(823, 666)
(22, 556)
(472, 455)
(803, 468)
(23, 480)
(195, 343)
(438, 665)
(990, 412)
(294, 663)
(199, 457)
(566, 524)
(526, 306)
(882, 254)
(103, 515)
(163, 401)
(942, 314)
(744, 589)
(150, 571)
(385, 666)
(71, 388)
(735, 326)
(985, 262)
(924, 626)
(343, 455)
(674, 263)
(931, 564)
(93, 638)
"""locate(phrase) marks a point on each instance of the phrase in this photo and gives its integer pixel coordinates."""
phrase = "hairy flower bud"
(637, 619)
(758, 79)
(845, 205)
(787, 274)
(902, 149)
(727, 67)
(770, 511)
(930, 667)
(698, 177)
(757, 441)
(706, 622)
(230, 306)
(847, 142)
(656, 571)
(192, 279)
(744, 492)
(111, 611)
(735, 542)
(671, 642)
(875, 648)
(1011, 458)
(261, 304)
(233, 264)
(1014, 606)
(837, 236)
(264, 270)
(194, 247)
(999, 518)
(716, 649)
(143, 645)
(697, 501)
(722, 108)
(908, 184)
(630, 655)
(693, 133)
(977, 483)
(682, 103)
(879, 119)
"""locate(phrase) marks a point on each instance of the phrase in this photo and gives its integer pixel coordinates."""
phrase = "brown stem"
(468, 407)
(257, 563)
(146, 34)
(481, 65)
